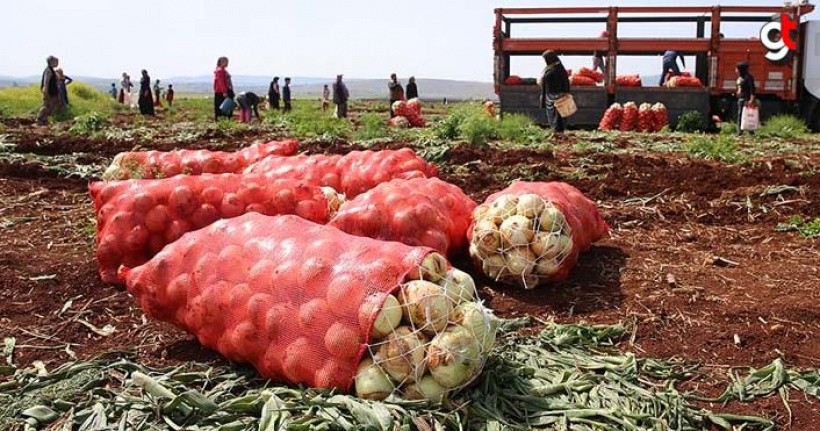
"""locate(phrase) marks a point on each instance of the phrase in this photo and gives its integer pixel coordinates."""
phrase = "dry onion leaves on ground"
(567, 377)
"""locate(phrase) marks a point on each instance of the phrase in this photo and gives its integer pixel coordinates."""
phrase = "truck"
(785, 85)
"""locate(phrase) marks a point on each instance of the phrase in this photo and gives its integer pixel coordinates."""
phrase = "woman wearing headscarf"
(554, 84)
(223, 87)
(145, 101)
(125, 89)
(62, 81)
(745, 90)
(412, 89)
(157, 93)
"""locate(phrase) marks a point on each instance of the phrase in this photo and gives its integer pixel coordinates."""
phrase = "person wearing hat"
(554, 83)
(745, 90)
(340, 97)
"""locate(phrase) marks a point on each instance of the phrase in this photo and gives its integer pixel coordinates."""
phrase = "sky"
(447, 39)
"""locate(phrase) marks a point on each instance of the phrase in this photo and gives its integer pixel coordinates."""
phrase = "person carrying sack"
(748, 116)
(554, 86)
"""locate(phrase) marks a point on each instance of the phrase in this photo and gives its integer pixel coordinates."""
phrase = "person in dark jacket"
(274, 94)
(340, 97)
(146, 100)
(412, 89)
(554, 84)
(670, 63)
(745, 90)
(248, 101)
(286, 95)
(50, 90)
(396, 92)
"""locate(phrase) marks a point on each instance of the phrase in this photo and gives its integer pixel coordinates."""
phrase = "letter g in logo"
(777, 49)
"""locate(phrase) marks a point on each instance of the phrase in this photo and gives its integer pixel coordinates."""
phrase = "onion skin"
(372, 383)
(388, 319)
(426, 389)
(426, 305)
(454, 356)
(530, 205)
(402, 355)
(459, 287)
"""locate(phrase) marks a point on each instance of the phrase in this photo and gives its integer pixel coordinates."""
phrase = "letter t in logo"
(787, 25)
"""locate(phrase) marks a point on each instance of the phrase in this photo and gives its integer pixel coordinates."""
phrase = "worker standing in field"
(223, 87)
(396, 92)
(113, 91)
(157, 93)
(125, 90)
(554, 84)
(340, 97)
(169, 95)
(745, 91)
(62, 85)
(325, 98)
(145, 101)
(412, 89)
(670, 64)
(51, 93)
(274, 94)
(286, 96)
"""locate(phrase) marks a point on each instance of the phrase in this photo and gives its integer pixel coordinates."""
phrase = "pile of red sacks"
(629, 117)
(408, 114)
(586, 77)
(629, 80)
(683, 79)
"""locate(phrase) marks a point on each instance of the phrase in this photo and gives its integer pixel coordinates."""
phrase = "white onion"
(371, 382)
(426, 389)
(517, 230)
(388, 319)
(531, 281)
(402, 355)
(530, 205)
(543, 242)
(459, 287)
(334, 200)
(550, 220)
(502, 208)
(520, 260)
(454, 356)
(487, 236)
(494, 266)
(558, 247)
(425, 305)
(434, 267)
(480, 213)
(478, 321)
(546, 266)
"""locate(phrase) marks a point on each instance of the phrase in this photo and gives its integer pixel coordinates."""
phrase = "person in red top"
(223, 87)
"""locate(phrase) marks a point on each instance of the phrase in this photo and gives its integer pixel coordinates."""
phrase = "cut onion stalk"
(371, 382)
(426, 305)
(487, 236)
(402, 355)
(502, 208)
(388, 319)
(517, 230)
(454, 356)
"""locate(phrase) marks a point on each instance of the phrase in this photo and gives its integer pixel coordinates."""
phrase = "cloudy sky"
(363, 39)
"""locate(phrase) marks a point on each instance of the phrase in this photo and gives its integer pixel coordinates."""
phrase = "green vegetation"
(690, 122)
(83, 99)
(372, 126)
(86, 124)
(807, 228)
(783, 126)
(477, 128)
(520, 129)
(722, 148)
(305, 121)
(729, 128)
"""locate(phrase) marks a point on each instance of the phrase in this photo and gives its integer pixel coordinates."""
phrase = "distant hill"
(302, 87)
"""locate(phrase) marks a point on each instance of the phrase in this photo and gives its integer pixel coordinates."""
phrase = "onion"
(459, 287)
(494, 266)
(517, 230)
(543, 242)
(371, 382)
(388, 319)
(487, 236)
(425, 389)
(334, 200)
(520, 260)
(480, 212)
(546, 266)
(551, 219)
(478, 321)
(530, 205)
(558, 247)
(426, 305)
(503, 207)
(112, 173)
(531, 281)
(454, 356)
(402, 355)
(433, 268)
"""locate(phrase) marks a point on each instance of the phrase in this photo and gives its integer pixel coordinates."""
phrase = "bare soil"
(692, 259)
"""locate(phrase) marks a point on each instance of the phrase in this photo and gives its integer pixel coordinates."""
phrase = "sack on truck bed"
(532, 233)
(309, 304)
(352, 174)
(137, 218)
(422, 211)
(165, 164)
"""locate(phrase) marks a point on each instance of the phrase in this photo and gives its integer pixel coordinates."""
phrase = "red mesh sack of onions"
(661, 116)
(137, 218)
(416, 120)
(400, 108)
(414, 105)
(629, 118)
(629, 80)
(646, 119)
(531, 233)
(399, 121)
(595, 75)
(309, 304)
(352, 174)
(611, 119)
(581, 81)
(422, 211)
(164, 164)
(683, 81)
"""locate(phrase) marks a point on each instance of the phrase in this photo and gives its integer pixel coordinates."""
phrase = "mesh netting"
(164, 164)
(421, 211)
(531, 233)
(309, 304)
(137, 218)
(352, 174)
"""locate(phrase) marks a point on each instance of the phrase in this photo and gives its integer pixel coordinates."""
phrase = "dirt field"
(692, 259)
